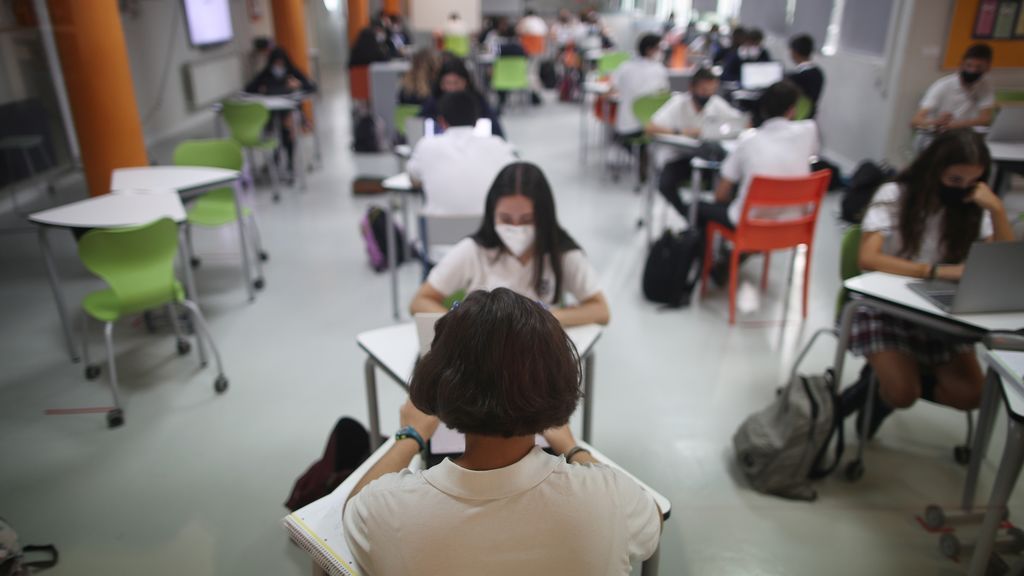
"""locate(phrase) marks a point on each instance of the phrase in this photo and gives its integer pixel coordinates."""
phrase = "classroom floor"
(194, 482)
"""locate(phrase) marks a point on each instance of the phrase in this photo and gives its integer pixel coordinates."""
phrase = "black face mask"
(700, 101)
(969, 77)
(953, 196)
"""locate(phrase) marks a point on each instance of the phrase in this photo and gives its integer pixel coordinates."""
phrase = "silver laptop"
(993, 281)
(760, 75)
(1008, 125)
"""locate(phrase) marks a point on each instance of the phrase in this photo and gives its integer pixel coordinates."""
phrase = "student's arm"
(427, 299)
(593, 310)
(1002, 230)
(723, 191)
(922, 119)
(872, 258)
(403, 451)
(984, 118)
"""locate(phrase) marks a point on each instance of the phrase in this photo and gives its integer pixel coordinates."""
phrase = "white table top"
(178, 178)
(396, 65)
(399, 183)
(1010, 366)
(274, 102)
(1006, 151)
(396, 348)
(894, 289)
(114, 211)
(680, 141)
(403, 151)
(597, 87)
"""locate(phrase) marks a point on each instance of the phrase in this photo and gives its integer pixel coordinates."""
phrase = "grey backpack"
(782, 448)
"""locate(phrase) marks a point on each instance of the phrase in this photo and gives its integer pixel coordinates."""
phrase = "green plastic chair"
(510, 74)
(457, 45)
(138, 266)
(803, 108)
(849, 262)
(644, 108)
(402, 113)
(217, 207)
(1007, 96)
(247, 122)
(610, 61)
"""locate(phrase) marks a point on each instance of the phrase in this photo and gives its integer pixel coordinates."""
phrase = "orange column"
(94, 61)
(290, 34)
(358, 18)
(393, 6)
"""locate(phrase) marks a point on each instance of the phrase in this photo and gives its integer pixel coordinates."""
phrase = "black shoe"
(852, 399)
(879, 412)
(535, 99)
(720, 270)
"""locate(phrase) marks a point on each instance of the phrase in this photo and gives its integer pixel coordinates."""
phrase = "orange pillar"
(393, 6)
(358, 18)
(290, 34)
(94, 61)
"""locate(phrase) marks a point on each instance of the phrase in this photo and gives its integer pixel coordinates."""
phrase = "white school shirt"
(780, 147)
(883, 216)
(680, 113)
(540, 515)
(469, 266)
(457, 169)
(532, 26)
(633, 79)
(948, 94)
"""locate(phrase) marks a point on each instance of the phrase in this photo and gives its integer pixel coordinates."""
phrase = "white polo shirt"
(532, 25)
(537, 516)
(468, 266)
(457, 169)
(948, 94)
(778, 148)
(883, 216)
(633, 79)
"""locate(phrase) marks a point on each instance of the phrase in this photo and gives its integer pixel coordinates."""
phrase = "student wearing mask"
(807, 75)
(922, 226)
(750, 50)
(687, 114)
(500, 370)
(643, 75)
(455, 169)
(520, 246)
(280, 76)
(454, 77)
(417, 83)
(372, 45)
(961, 100)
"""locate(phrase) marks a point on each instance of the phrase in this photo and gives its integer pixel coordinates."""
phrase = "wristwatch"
(410, 432)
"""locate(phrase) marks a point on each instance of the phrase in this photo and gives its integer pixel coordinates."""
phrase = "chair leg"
(182, 343)
(807, 278)
(249, 170)
(275, 178)
(734, 272)
(259, 255)
(194, 260)
(201, 326)
(91, 371)
(764, 271)
(115, 417)
(709, 240)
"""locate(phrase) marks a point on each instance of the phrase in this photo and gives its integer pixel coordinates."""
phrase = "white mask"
(517, 239)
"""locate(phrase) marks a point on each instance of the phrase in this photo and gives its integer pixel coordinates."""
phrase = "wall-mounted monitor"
(209, 22)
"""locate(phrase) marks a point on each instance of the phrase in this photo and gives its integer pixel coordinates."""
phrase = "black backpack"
(866, 180)
(368, 133)
(548, 77)
(667, 277)
(374, 229)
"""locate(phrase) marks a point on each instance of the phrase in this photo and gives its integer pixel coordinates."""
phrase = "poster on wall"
(999, 20)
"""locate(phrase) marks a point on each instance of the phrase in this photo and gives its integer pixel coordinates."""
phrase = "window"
(770, 15)
(865, 25)
(811, 17)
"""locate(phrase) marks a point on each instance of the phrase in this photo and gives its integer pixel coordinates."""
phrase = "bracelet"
(576, 450)
(410, 432)
(933, 271)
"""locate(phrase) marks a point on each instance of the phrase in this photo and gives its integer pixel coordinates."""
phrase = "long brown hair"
(419, 80)
(920, 184)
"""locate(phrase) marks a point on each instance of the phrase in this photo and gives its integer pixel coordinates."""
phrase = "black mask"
(953, 196)
(700, 101)
(969, 77)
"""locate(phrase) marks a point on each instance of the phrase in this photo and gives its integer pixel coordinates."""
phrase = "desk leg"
(243, 238)
(650, 566)
(653, 176)
(583, 129)
(990, 400)
(300, 157)
(372, 410)
(588, 396)
(186, 264)
(58, 294)
(696, 187)
(845, 324)
(1009, 470)
(392, 252)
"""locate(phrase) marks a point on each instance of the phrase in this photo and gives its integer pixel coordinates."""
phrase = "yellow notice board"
(998, 23)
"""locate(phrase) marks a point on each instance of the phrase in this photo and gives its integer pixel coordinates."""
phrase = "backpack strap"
(49, 549)
(818, 468)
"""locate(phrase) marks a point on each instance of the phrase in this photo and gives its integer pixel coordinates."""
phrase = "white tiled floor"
(193, 483)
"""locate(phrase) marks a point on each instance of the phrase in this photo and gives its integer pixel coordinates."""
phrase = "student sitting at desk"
(922, 226)
(417, 83)
(807, 75)
(750, 50)
(454, 77)
(500, 370)
(521, 246)
(455, 169)
(687, 114)
(641, 76)
(961, 100)
(280, 76)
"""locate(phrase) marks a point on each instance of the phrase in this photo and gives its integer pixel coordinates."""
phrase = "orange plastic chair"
(677, 61)
(359, 83)
(533, 45)
(605, 110)
(763, 235)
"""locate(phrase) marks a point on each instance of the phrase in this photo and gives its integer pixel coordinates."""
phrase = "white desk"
(1004, 153)
(106, 211)
(395, 350)
(318, 525)
(399, 188)
(598, 89)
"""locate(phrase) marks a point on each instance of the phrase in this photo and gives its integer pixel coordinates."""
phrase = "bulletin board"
(998, 23)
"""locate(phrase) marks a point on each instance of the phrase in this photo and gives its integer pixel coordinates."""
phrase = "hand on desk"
(410, 415)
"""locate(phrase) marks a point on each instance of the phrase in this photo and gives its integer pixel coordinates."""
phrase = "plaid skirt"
(875, 331)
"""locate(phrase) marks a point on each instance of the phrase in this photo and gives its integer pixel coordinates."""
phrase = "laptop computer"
(993, 281)
(1008, 125)
(760, 75)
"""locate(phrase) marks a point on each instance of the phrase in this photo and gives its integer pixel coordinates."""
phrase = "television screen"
(209, 21)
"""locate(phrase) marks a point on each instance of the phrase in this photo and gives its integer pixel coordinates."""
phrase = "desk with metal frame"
(399, 187)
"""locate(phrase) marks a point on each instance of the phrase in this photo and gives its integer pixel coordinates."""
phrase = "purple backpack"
(373, 228)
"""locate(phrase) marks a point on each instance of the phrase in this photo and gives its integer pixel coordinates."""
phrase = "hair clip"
(455, 305)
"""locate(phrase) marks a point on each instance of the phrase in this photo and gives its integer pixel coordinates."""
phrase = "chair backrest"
(802, 193)
(137, 263)
(246, 120)
(677, 61)
(644, 107)
(212, 152)
(458, 45)
(803, 108)
(533, 44)
(849, 253)
(402, 113)
(1011, 95)
(359, 83)
(609, 61)
(510, 73)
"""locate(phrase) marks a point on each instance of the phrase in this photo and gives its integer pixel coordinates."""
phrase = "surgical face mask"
(517, 239)
(700, 101)
(969, 77)
(278, 71)
(953, 196)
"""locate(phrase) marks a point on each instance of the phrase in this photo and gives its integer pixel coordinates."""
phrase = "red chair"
(754, 234)
(359, 83)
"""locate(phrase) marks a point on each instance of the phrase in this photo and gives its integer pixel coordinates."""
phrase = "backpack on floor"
(669, 275)
(548, 76)
(347, 447)
(14, 556)
(782, 448)
(368, 133)
(374, 229)
(836, 181)
(864, 182)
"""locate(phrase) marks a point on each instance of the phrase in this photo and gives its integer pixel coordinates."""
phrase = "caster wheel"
(264, 256)
(962, 455)
(854, 470)
(115, 418)
(220, 384)
(92, 372)
(259, 284)
(184, 347)
(195, 262)
(934, 517)
(949, 545)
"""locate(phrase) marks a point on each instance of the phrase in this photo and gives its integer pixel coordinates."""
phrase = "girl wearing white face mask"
(519, 246)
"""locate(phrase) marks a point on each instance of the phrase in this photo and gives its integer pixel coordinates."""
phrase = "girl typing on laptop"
(922, 225)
